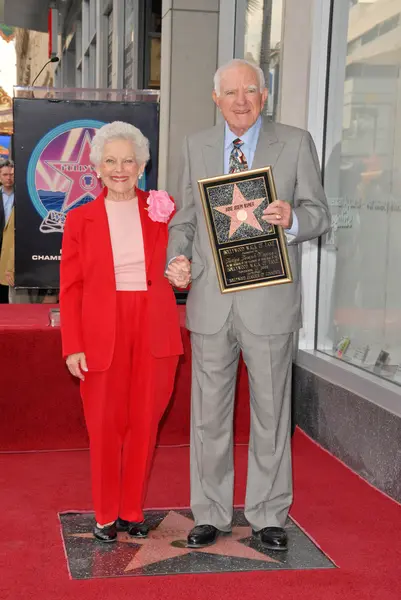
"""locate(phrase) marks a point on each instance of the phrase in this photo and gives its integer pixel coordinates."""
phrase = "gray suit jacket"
(266, 310)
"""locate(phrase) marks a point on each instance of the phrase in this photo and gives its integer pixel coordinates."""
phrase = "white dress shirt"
(8, 203)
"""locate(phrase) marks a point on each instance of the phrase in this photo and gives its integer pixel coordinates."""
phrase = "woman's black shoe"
(105, 534)
(138, 530)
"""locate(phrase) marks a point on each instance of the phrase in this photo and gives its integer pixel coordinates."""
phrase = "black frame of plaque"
(271, 239)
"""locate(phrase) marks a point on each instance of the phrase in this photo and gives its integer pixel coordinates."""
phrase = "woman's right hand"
(76, 363)
(178, 272)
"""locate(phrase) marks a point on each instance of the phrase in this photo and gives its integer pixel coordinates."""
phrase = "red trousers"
(123, 407)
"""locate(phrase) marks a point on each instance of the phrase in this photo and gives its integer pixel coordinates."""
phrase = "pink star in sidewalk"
(80, 174)
(241, 211)
(168, 540)
(174, 528)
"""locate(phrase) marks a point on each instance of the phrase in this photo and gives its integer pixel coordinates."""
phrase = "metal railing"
(102, 95)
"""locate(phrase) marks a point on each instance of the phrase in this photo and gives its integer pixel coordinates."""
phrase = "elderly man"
(259, 322)
(6, 229)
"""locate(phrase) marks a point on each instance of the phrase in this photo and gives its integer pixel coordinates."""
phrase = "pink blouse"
(127, 244)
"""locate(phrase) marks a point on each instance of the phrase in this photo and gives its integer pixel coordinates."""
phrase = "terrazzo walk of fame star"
(164, 551)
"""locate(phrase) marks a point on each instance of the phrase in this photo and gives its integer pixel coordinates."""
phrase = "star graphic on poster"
(168, 540)
(241, 211)
(79, 173)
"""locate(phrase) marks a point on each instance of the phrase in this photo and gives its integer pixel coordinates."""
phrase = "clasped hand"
(179, 272)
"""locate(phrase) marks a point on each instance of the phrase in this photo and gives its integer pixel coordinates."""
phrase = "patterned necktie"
(238, 160)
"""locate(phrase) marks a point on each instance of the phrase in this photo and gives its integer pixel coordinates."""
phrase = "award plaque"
(248, 252)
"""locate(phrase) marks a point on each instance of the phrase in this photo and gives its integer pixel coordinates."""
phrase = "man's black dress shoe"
(203, 535)
(105, 534)
(274, 538)
(138, 530)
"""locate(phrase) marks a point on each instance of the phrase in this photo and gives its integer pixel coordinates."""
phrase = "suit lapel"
(268, 148)
(213, 152)
(100, 233)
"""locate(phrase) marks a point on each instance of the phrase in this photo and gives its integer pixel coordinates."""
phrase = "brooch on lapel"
(160, 206)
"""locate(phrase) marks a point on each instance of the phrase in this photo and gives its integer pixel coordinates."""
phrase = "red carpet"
(358, 527)
(39, 400)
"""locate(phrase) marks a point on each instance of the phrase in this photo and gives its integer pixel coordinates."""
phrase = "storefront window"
(360, 284)
(262, 44)
(153, 44)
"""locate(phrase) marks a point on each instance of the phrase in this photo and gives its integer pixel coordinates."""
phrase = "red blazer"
(88, 286)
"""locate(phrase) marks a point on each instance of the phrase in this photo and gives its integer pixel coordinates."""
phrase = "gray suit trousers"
(214, 368)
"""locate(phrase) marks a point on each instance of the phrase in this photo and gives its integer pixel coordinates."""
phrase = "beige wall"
(189, 61)
(295, 65)
(32, 53)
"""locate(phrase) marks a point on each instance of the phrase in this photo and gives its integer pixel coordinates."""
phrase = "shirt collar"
(250, 137)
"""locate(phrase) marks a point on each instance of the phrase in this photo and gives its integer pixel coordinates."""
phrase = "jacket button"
(149, 282)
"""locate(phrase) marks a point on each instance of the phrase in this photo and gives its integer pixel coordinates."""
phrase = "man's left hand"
(279, 212)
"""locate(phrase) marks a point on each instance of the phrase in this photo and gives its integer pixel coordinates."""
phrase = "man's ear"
(265, 93)
(216, 98)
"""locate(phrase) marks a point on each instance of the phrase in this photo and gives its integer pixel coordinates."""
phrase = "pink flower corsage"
(160, 206)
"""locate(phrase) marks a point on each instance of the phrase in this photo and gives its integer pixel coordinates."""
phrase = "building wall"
(109, 44)
(347, 383)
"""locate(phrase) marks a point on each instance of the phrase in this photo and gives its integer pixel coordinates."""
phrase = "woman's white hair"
(118, 130)
(232, 64)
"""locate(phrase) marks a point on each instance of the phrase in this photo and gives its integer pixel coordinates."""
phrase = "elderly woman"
(119, 324)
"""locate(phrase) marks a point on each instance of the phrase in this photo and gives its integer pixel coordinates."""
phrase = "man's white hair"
(232, 64)
(118, 130)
